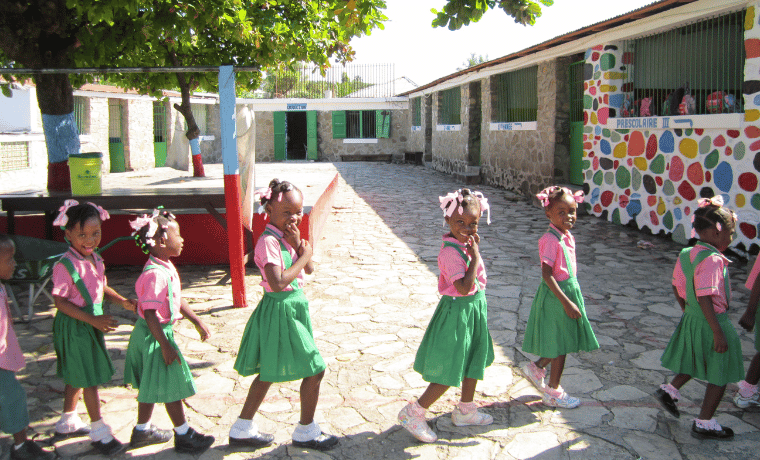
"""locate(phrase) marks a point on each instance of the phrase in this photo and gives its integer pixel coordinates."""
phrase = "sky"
(423, 54)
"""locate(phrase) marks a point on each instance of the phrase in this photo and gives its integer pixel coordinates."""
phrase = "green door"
(576, 122)
(280, 135)
(115, 136)
(159, 133)
(311, 135)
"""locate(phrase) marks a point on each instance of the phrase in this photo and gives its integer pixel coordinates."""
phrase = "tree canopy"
(458, 13)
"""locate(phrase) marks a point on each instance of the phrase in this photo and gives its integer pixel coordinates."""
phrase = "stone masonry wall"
(416, 142)
(450, 147)
(96, 139)
(264, 136)
(331, 149)
(138, 134)
(562, 122)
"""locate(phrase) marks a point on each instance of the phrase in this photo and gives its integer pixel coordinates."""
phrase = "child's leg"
(680, 380)
(713, 395)
(466, 412)
(186, 439)
(20, 437)
(92, 403)
(70, 424)
(753, 373)
(556, 370)
(468, 389)
(310, 397)
(256, 395)
(71, 397)
(176, 413)
(145, 412)
(412, 416)
(432, 393)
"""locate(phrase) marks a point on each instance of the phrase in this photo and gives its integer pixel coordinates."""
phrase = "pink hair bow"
(717, 200)
(62, 218)
(262, 193)
(103, 213)
(446, 201)
(141, 222)
(484, 206)
(543, 195)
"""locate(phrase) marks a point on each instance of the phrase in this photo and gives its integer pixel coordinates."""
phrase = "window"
(361, 124)
(449, 102)
(704, 60)
(514, 96)
(82, 114)
(417, 111)
(14, 156)
(200, 113)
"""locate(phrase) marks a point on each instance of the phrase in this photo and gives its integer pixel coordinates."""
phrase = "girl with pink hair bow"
(557, 324)
(79, 287)
(705, 344)
(457, 346)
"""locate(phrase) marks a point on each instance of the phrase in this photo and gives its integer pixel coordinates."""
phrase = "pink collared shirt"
(152, 288)
(708, 278)
(550, 252)
(753, 274)
(267, 251)
(94, 277)
(453, 267)
(11, 358)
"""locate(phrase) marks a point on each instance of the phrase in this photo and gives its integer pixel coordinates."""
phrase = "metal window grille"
(351, 80)
(704, 60)
(159, 122)
(514, 95)
(360, 124)
(417, 111)
(114, 120)
(449, 102)
(200, 113)
(14, 156)
(80, 114)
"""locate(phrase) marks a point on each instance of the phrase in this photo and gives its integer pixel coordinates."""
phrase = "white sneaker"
(473, 418)
(743, 403)
(534, 374)
(413, 420)
(558, 398)
(72, 425)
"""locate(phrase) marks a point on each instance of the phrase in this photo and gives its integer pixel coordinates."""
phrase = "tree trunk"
(193, 132)
(55, 98)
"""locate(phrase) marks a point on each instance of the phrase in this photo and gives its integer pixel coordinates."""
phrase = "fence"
(357, 80)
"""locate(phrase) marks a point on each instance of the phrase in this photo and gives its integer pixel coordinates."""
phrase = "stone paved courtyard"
(372, 294)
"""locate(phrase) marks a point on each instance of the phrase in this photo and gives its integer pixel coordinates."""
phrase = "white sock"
(18, 446)
(243, 428)
(100, 432)
(142, 426)
(182, 430)
(304, 433)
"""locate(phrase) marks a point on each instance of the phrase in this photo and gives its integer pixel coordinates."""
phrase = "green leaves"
(459, 13)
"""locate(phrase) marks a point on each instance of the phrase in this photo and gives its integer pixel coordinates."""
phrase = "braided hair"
(277, 189)
(710, 215)
(148, 229)
(468, 199)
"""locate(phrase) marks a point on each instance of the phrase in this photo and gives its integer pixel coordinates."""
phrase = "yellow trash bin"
(85, 173)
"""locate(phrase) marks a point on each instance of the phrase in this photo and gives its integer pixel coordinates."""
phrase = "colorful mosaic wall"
(653, 170)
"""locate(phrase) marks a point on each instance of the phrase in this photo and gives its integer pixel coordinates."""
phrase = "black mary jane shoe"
(322, 442)
(110, 448)
(667, 402)
(192, 442)
(703, 433)
(30, 451)
(259, 440)
(153, 435)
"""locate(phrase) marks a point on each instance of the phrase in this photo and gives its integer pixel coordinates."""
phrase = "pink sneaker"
(558, 398)
(465, 414)
(412, 418)
(534, 374)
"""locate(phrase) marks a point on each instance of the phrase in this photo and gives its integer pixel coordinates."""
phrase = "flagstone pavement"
(371, 297)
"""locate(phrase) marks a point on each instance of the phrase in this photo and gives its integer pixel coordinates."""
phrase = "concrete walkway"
(371, 298)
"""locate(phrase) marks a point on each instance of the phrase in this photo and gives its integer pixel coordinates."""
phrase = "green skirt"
(278, 343)
(145, 369)
(83, 360)
(456, 344)
(690, 350)
(550, 332)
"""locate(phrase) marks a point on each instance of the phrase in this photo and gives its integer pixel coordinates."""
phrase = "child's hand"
(747, 321)
(308, 251)
(104, 323)
(129, 305)
(203, 331)
(292, 235)
(170, 355)
(572, 310)
(719, 342)
(473, 242)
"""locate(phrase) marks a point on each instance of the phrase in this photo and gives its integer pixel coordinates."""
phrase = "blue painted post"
(232, 183)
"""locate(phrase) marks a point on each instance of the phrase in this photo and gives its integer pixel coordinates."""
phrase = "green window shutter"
(311, 135)
(339, 124)
(383, 123)
(280, 141)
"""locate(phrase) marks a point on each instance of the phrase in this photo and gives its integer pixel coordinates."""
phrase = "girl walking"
(154, 365)
(705, 344)
(79, 286)
(278, 344)
(557, 324)
(457, 346)
(748, 394)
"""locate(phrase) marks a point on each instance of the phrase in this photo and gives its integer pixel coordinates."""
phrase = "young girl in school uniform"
(457, 346)
(747, 395)
(557, 324)
(79, 286)
(705, 344)
(154, 365)
(277, 343)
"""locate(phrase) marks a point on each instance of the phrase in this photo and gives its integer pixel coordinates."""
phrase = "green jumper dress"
(278, 343)
(144, 367)
(550, 332)
(690, 350)
(82, 358)
(456, 344)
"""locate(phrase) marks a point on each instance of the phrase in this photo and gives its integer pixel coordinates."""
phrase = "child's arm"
(103, 322)
(167, 350)
(547, 273)
(279, 279)
(719, 340)
(464, 284)
(680, 301)
(747, 321)
(309, 267)
(293, 236)
(115, 297)
(200, 326)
